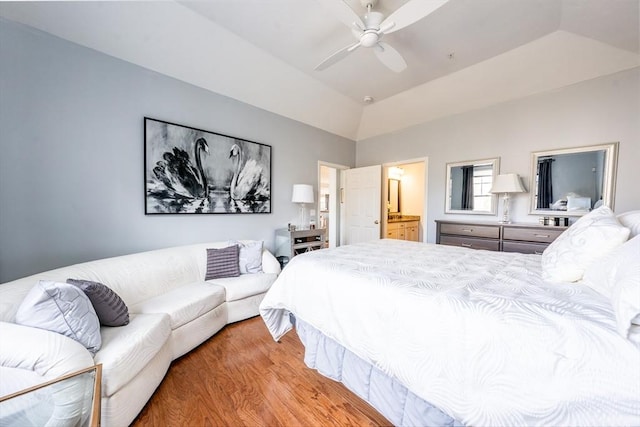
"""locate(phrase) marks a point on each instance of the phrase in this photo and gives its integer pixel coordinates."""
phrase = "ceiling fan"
(370, 29)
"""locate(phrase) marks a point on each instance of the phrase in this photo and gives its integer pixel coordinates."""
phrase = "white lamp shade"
(507, 183)
(302, 193)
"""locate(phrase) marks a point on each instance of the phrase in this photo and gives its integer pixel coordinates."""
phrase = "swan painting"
(178, 183)
(193, 171)
(248, 182)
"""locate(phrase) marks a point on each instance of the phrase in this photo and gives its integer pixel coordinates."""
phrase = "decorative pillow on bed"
(61, 308)
(250, 258)
(625, 285)
(631, 220)
(223, 262)
(634, 334)
(109, 307)
(591, 237)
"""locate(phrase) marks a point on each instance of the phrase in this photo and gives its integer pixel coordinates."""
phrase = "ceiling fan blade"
(386, 27)
(343, 12)
(357, 33)
(390, 57)
(342, 53)
(411, 12)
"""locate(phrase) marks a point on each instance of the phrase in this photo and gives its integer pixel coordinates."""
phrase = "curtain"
(545, 188)
(467, 188)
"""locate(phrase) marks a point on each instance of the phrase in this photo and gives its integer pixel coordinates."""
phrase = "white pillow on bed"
(631, 220)
(625, 285)
(591, 237)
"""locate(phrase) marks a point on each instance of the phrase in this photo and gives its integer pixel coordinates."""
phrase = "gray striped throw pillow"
(110, 308)
(223, 262)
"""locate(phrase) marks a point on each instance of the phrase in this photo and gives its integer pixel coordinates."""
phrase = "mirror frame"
(495, 164)
(608, 182)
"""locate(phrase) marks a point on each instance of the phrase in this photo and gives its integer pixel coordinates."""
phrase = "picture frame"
(195, 171)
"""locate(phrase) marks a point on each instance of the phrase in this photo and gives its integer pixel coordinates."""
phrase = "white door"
(362, 197)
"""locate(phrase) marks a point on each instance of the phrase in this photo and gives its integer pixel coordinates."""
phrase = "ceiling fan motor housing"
(371, 34)
(369, 38)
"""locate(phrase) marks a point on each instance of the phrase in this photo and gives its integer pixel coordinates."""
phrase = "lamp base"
(302, 225)
(505, 210)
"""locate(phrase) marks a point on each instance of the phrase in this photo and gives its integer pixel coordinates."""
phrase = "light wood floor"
(241, 377)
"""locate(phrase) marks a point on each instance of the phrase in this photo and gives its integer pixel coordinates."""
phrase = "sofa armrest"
(269, 263)
(42, 355)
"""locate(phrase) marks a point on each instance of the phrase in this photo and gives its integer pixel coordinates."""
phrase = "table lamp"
(302, 193)
(506, 184)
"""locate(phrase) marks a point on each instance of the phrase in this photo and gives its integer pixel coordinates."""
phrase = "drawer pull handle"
(465, 245)
(546, 236)
(538, 253)
(468, 230)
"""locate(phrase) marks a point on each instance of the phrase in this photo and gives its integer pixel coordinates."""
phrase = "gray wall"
(71, 162)
(592, 112)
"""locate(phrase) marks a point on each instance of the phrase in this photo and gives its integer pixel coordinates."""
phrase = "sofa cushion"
(35, 356)
(61, 308)
(246, 285)
(109, 307)
(223, 262)
(183, 304)
(126, 350)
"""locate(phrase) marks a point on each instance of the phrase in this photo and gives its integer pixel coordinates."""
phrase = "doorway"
(328, 215)
(405, 193)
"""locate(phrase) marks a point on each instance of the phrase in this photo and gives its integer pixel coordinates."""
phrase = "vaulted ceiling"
(467, 54)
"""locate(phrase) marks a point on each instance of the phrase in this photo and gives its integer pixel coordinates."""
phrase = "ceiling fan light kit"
(370, 29)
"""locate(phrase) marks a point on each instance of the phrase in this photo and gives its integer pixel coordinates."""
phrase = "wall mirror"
(468, 186)
(394, 195)
(573, 181)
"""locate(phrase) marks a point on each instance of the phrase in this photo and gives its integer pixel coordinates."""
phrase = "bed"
(455, 336)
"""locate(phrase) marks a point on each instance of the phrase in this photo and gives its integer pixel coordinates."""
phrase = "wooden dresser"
(523, 238)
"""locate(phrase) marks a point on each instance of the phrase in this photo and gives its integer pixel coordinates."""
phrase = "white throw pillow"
(592, 236)
(61, 308)
(625, 285)
(250, 258)
(631, 220)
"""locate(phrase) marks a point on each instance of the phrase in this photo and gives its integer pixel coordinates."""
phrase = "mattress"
(478, 334)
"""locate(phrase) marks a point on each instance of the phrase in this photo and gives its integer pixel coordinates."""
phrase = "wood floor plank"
(241, 377)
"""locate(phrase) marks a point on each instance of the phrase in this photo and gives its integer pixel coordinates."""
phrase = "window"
(482, 182)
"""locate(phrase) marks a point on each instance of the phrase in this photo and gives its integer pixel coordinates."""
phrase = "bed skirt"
(385, 394)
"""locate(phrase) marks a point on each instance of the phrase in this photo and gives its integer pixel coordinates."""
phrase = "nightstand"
(292, 243)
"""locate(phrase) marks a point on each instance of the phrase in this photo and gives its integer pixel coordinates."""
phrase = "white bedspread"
(478, 334)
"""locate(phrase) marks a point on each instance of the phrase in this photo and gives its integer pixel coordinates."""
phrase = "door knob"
(376, 222)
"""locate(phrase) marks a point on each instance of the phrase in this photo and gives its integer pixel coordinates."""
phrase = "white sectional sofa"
(172, 309)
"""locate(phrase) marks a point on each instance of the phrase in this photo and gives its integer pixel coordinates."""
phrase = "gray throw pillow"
(223, 263)
(61, 308)
(110, 308)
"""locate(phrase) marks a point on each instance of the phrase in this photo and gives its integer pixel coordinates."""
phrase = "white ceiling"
(465, 55)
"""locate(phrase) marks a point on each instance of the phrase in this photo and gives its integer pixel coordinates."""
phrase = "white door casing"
(335, 181)
(362, 198)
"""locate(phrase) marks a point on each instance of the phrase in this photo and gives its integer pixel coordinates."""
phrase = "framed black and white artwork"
(194, 171)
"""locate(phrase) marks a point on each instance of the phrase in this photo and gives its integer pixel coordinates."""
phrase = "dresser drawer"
(547, 235)
(524, 247)
(492, 232)
(467, 242)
